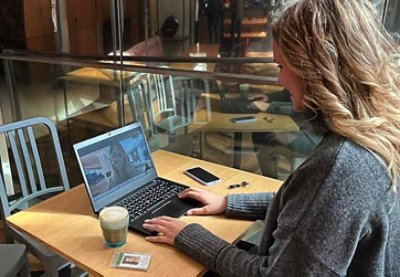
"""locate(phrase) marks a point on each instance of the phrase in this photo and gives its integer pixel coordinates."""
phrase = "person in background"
(291, 145)
(338, 214)
(236, 9)
(215, 9)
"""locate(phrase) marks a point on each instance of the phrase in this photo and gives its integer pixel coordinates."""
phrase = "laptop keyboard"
(143, 200)
(238, 105)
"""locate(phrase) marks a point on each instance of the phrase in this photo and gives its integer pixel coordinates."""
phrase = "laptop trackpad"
(175, 207)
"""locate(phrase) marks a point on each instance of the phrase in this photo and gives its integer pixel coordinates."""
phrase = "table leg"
(201, 144)
(237, 149)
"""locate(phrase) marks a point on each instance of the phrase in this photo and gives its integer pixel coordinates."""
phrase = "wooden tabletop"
(101, 76)
(212, 50)
(66, 222)
(221, 122)
(209, 50)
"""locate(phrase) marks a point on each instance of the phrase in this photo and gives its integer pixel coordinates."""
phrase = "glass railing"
(228, 111)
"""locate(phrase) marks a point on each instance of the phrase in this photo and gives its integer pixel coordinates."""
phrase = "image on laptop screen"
(115, 164)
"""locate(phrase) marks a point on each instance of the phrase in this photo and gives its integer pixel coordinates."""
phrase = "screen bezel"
(123, 191)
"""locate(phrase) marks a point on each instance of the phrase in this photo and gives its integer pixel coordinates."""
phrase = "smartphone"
(202, 176)
(243, 119)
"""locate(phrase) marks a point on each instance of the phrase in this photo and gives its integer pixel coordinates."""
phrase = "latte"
(114, 224)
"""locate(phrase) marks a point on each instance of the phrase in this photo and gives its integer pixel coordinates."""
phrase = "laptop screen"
(115, 164)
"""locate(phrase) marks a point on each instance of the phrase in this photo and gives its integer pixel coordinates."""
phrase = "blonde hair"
(343, 54)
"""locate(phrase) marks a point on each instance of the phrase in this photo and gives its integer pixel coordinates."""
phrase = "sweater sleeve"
(249, 206)
(228, 260)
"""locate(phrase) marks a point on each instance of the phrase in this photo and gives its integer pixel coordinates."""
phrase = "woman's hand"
(212, 203)
(258, 97)
(167, 227)
(259, 101)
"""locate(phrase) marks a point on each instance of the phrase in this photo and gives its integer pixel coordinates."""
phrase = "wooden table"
(221, 122)
(67, 225)
(211, 50)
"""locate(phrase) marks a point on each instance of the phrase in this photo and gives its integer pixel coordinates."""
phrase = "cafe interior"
(204, 90)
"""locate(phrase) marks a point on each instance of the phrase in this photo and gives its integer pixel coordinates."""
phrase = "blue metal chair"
(13, 260)
(153, 103)
(23, 181)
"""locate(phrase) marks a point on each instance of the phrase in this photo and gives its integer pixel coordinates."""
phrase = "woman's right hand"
(258, 97)
(212, 203)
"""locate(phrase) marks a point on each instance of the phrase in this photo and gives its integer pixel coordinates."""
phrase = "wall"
(181, 10)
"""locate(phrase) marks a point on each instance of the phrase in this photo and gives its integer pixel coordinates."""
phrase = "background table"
(66, 222)
(221, 122)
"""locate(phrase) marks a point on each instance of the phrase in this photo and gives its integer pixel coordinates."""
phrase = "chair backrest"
(161, 96)
(187, 93)
(137, 93)
(26, 162)
(173, 101)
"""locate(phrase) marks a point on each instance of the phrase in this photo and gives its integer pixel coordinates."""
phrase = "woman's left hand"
(167, 227)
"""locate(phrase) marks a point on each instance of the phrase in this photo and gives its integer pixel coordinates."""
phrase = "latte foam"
(113, 218)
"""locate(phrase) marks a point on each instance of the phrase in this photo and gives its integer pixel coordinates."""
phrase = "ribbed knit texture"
(336, 215)
(249, 206)
(195, 235)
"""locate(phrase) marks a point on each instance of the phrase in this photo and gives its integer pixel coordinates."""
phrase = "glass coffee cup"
(114, 225)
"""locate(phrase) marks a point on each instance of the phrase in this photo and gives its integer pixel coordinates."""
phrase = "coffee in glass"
(114, 224)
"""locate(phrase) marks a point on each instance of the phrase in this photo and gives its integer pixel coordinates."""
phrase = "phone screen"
(243, 119)
(202, 174)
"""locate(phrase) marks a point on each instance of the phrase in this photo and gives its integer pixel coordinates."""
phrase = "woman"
(122, 169)
(339, 212)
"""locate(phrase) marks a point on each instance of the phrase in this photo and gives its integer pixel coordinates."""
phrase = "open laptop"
(236, 105)
(118, 170)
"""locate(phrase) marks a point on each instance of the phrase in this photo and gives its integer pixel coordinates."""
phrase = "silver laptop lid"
(115, 164)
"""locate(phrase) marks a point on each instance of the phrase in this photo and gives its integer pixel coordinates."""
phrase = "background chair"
(166, 106)
(139, 105)
(29, 182)
(162, 105)
(141, 109)
(13, 260)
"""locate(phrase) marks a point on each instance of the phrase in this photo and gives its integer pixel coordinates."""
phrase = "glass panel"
(188, 115)
(35, 90)
(195, 117)
(392, 22)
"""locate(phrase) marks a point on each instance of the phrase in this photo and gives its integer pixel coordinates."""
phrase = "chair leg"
(7, 237)
(267, 159)
(77, 272)
(24, 271)
(50, 268)
(50, 271)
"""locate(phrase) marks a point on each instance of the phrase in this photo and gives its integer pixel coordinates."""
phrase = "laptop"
(236, 105)
(118, 171)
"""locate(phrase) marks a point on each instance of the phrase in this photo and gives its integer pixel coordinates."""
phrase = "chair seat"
(171, 123)
(12, 258)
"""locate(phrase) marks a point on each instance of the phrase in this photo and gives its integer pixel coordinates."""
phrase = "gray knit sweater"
(336, 215)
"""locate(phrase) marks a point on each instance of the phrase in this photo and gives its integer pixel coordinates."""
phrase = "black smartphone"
(202, 176)
(243, 119)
